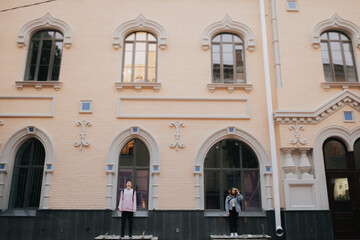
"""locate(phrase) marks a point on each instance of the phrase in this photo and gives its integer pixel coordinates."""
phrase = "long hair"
(230, 193)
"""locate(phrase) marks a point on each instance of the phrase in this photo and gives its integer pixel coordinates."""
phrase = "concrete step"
(242, 236)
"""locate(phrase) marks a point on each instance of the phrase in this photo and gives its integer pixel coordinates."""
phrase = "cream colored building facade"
(283, 109)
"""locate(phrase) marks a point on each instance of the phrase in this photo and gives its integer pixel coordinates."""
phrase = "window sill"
(230, 87)
(137, 86)
(18, 213)
(343, 85)
(117, 214)
(38, 84)
(241, 214)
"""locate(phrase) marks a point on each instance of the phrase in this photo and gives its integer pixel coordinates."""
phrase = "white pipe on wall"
(278, 228)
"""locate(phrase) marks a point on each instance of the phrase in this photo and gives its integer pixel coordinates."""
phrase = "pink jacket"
(127, 201)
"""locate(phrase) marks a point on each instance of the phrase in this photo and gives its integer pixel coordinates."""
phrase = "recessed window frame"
(352, 116)
(133, 42)
(328, 42)
(90, 110)
(39, 53)
(291, 8)
(234, 44)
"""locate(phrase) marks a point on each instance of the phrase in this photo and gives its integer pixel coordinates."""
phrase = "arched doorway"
(343, 184)
(231, 163)
(27, 175)
(134, 162)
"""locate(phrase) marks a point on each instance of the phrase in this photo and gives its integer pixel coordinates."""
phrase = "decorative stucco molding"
(230, 87)
(253, 143)
(45, 22)
(7, 158)
(137, 86)
(346, 97)
(82, 142)
(177, 143)
(228, 25)
(140, 24)
(335, 23)
(39, 84)
(297, 139)
(112, 164)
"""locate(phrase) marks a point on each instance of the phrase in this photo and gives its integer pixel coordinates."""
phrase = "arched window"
(134, 163)
(335, 155)
(140, 57)
(357, 155)
(27, 175)
(231, 163)
(228, 59)
(338, 57)
(44, 56)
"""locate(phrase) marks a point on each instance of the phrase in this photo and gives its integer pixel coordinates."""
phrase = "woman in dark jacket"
(233, 207)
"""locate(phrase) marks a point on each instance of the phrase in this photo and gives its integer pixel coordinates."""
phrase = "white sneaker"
(232, 235)
(235, 234)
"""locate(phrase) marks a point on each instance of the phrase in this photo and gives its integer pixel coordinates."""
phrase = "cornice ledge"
(335, 23)
(137, 86)
(228, 25)
(143, 24)
(346, 97)
(343, 85)
(46, 21)
(39, 84)
(230, 87)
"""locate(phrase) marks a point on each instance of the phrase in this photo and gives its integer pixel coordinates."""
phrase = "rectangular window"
(86, 106)
(292, 6)
(348, 117)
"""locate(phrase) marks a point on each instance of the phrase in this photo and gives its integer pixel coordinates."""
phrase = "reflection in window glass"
(227, 59)
(231, 163)
(337, 57)
(341, 189)
(357, 154)
(140, 56)
(44, 57)
(134, 163)
(335, 155)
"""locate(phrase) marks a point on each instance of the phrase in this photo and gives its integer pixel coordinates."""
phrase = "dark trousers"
(126, 215)
(233, 219)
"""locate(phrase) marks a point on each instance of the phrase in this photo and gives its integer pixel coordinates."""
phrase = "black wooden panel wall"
(167, 225)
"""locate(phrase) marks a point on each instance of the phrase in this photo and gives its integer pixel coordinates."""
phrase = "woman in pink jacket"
(127, 207)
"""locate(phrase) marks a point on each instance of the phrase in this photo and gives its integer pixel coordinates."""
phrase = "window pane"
(237, 39)
(339, 191)
(35, 187)
(212, 159)
(152, 56)
(249, 159)
(334, 36)
(216, 39)
(212, 190)
(58, 53)
(151, 37)
(47, 44)
(231, 179)
(142, 189)
(127, 74)
(142, 154)
(45, 57)
(335, 155)
(350, 66)
(337, 61)
(230, 154)
(240, 76)
(227, 37)
(139, 74)
(125, 175)
(344, 37)
(31, 73)
(55, 73)
(59, 36)
(326, 62)
(151, 74)
(228, 75)
(43, 73)
(140, 36)
(357, 153)
(140, 59)
(216, 73)
(130, 37)
(251, 190)
(140, 46)
(324, 36)
(227, 48)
